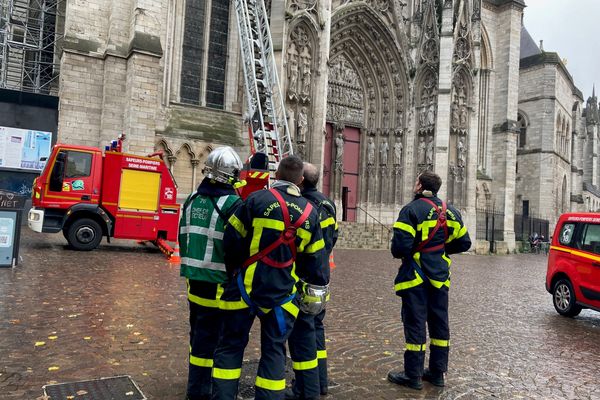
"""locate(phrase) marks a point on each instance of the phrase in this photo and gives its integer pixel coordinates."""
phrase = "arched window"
(522, 124)
(564, 202)
(204, 53)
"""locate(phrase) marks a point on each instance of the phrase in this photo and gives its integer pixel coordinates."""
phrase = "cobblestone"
(122, 310)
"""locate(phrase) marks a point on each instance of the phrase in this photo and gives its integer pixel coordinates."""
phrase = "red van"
(573, 275)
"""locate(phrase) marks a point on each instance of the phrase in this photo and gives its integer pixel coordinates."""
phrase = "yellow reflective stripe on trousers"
(305, 365)
(415, 347)
(228, 374)
(270, 384)
(321, 354)
(238, 225)
(233, 305)
(201, 362)
(291, 308)
(405, 227)
(212, 303)
(409, 284)
(439, 342)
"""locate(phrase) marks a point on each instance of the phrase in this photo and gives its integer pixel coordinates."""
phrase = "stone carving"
(422, 150)
(302, 125)
(431, 115)
(306, 73)
(370, 151)
(297, 5)
(383, 152)
(339, 152)
(345, 95)
(398, 151)
(292, 71)
(429, 152)
(461, 152)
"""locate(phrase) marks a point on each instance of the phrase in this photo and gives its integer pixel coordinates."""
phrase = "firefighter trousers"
(321, 351)
(303, 350)
(205, 321)
(234, 335)
(424, 307)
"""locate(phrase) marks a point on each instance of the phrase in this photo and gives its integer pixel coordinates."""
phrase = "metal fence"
(490, 225)
(526, 225)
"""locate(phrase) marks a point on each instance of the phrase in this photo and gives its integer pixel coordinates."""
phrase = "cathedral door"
(351, 159)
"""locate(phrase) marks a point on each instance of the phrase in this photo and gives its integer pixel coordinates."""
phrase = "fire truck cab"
(87, 194)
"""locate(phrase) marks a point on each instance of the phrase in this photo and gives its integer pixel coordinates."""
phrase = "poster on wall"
(23, 149)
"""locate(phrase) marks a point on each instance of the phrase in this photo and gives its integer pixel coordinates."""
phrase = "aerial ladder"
(270, 139)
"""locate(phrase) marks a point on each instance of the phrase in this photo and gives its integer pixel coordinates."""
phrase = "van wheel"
(84, 234)
(564, 300)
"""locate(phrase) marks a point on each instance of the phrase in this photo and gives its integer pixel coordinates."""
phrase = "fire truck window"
(79, 164)
(591, 238)
(566, 234)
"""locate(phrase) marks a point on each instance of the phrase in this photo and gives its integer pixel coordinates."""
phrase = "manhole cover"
(114, 388)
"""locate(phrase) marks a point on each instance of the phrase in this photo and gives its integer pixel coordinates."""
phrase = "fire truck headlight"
(34, 217)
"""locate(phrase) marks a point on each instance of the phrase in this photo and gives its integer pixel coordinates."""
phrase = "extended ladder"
(268, 129)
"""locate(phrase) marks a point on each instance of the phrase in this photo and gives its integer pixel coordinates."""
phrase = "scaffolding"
(31, 33)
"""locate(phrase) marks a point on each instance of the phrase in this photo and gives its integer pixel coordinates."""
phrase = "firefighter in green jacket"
(202, 225)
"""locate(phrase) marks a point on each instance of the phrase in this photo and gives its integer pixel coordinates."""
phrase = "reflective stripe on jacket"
(413, 226)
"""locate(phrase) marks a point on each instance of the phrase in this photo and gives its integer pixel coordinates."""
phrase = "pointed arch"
(487, 55)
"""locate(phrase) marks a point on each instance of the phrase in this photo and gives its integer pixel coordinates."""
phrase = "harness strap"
(278, 310)
(441, 223)
(288, 236)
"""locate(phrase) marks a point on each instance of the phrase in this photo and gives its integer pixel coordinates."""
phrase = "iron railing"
(374, 225)
(527, 225)
(490, 225)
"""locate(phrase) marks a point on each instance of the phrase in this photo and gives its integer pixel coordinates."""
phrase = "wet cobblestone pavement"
(122, 310)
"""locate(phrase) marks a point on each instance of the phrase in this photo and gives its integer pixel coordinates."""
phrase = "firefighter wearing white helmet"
(202, 224)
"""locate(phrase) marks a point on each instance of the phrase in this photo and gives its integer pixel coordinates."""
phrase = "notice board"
(23, 148)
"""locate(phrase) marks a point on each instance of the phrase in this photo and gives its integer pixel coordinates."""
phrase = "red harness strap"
(441, 223)
(287, 237)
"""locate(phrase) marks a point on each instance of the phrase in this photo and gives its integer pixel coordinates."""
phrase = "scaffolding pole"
(31, 33)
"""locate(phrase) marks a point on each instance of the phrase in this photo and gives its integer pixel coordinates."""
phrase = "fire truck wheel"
(84, 234)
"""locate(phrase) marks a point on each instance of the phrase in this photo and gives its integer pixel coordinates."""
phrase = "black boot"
(290, 395)
(433, 377)
(400, 378)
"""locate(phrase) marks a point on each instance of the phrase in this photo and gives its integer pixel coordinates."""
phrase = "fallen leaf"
(81, 393)
(130, 325)
(72, 315)
(87, 338)
(14, 321)
(52, 337)
(39, 344)
(70, 397)
(145, 373)
(129, 394)
(387, 353)
(53, 368)
(137, 333)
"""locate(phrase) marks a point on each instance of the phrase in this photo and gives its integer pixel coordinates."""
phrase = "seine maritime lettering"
(141, 163)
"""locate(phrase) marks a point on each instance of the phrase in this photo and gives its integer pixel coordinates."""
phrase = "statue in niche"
(431, 114)
(339, 150)
(398, 151)
(371, 89)
(293, 72)
(462, 152)
(371, 151)
(455, 116)
(423, 114)
(429, 151)
(463, 117)
(383, 152)
(306, 74)
(301, 150)
(302, 125)
(422, 148)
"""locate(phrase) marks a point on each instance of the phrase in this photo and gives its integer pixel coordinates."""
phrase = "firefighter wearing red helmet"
(426, 232)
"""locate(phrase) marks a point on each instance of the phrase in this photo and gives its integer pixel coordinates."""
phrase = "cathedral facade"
(376, 91)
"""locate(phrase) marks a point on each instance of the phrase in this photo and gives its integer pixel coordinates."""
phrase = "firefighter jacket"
(258, 223)
(415, 222)
(327, 217)
(201, 231)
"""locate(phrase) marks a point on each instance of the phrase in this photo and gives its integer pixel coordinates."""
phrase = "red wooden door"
(351, 159)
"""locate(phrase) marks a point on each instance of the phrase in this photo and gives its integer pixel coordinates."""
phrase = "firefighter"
(265, 237)
(426, 232)
(202, 226)
(307, 341)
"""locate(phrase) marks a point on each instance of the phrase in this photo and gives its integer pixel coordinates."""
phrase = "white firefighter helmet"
(313, 298)
(223, 165)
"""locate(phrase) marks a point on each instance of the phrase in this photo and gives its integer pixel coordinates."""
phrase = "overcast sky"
(570, 28)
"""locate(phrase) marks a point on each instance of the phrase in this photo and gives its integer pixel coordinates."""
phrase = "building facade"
(376, 91)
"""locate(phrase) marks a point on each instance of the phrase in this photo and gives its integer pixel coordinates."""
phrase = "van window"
(591, 238)
(566, 234)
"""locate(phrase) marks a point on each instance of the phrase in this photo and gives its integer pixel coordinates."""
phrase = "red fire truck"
(88, 194)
